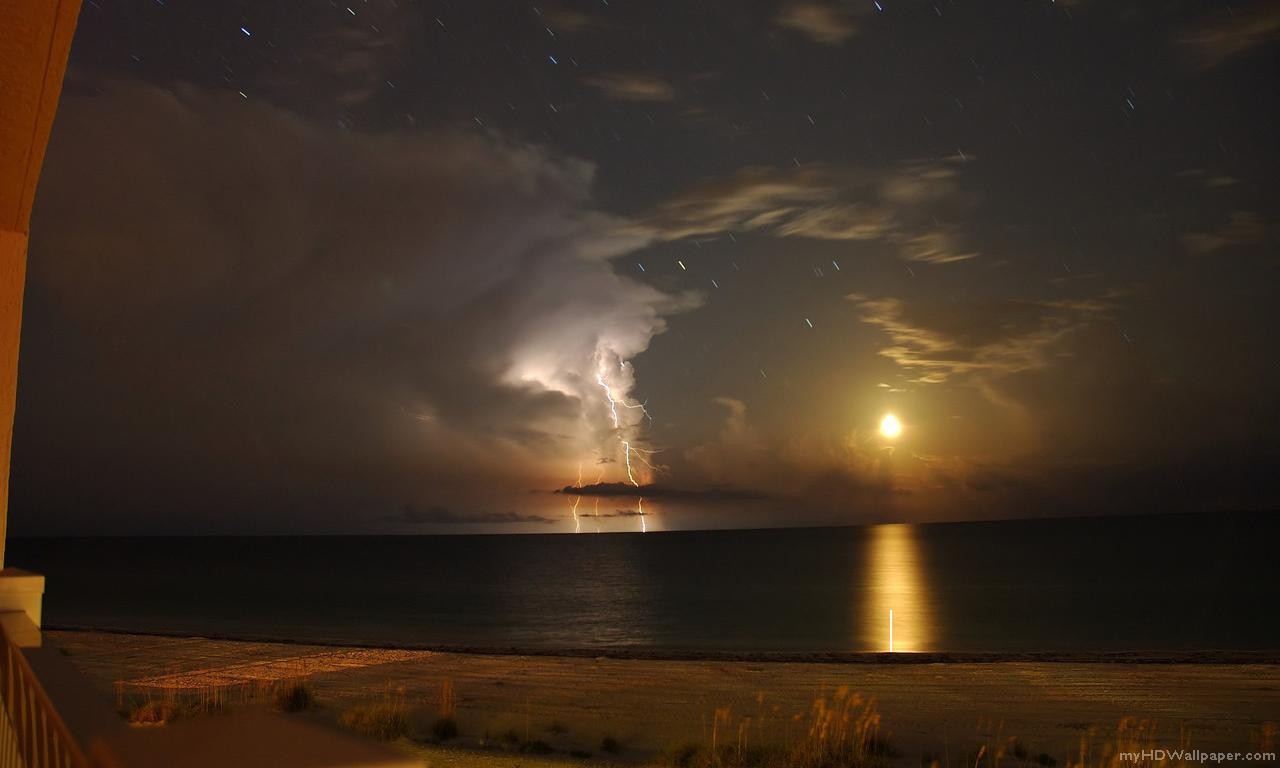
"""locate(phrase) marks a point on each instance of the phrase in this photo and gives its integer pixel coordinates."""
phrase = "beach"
(570, 706)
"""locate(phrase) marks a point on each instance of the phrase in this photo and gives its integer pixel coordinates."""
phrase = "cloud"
(1243, 228)
(820, 22)
(937, 342)
(1210, 180)
(564, 20)
(811, 477)
(937, 247)
(655, 491)
(750, 199)
(1238, 34)
(436, 515)
(916, 208)
(219, 288)
(614, 514)
(840, 221)
(737, 453)
(340, 63)
(633, 86)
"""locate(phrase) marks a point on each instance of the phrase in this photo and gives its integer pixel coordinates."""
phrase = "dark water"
(1106, 584)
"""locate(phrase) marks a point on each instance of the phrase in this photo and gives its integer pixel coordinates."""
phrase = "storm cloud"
(311, 308)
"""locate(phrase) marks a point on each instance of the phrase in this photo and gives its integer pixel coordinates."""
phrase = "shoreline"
(1190, 657)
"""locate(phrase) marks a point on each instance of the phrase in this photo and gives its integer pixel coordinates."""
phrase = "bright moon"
(890, 427)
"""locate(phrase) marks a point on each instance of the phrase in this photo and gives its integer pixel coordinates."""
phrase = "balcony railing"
(32, 733)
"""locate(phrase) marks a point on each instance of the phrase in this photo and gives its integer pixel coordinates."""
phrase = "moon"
(890, 427)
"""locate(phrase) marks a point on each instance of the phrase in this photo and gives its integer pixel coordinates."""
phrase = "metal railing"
(32, 733)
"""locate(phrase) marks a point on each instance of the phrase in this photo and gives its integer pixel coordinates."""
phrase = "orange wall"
(35, 38)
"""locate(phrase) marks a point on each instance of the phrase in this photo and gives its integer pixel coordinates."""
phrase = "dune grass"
(379, 721)
(445, 726)
(295, 696)
(840, 731)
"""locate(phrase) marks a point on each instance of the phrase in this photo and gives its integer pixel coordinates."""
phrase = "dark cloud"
(617, 513)
(436, 515)
(654, 491)
(1242, 228)
(403, 307)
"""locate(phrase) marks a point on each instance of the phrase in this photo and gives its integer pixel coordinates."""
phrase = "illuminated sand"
(649, 705)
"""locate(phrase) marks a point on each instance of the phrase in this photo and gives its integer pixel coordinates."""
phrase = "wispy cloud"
(1242, 31)
(820, 22)
(939, 342)
(568, 21)
(1243, 228)
(916, 208)
(633, 86)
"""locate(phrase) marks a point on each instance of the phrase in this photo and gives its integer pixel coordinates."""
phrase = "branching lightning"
(626, 448)
(614, 381)
(614, 403)
(573, 505)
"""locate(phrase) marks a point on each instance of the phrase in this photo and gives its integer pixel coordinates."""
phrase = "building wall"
(35, 38)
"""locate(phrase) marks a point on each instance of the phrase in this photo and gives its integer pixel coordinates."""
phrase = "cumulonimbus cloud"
(308, 308)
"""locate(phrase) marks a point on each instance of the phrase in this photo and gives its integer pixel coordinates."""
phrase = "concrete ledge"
(19, 629)
(22, 591)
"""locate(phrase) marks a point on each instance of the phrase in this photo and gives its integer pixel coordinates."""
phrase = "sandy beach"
(572, 704)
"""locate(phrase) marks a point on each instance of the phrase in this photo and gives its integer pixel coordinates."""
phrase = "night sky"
(380, 267)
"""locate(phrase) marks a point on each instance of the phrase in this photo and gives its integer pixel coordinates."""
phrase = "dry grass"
(445, 726)
(384, 720)
(842, 731)
(151, 713)
(295, 696)
(1132, 735)
(156, 705)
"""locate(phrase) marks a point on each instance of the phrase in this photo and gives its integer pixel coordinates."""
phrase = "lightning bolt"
(629, 450)
(625, 431)
(608, 395)
(573, 507)
(626, 445)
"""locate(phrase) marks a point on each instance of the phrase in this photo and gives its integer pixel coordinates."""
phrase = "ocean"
(1141, 583)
